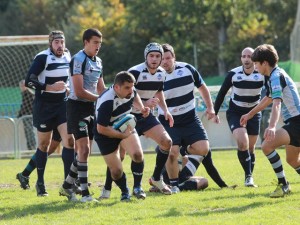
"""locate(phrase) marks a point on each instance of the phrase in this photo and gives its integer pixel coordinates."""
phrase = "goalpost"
(16, 55)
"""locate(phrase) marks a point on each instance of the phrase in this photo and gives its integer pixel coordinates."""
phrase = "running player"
(246, 84)
(179, 94)
(48, 75)
(86, 84)
(282, 92)
(114, 103)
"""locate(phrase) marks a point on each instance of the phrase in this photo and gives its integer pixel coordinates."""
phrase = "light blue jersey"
(90, 68)
(282, 86)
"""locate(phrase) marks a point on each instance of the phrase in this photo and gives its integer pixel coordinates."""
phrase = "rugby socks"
(41, 161)
(298, 170)
(275, 161)
(71, 176)
(108, 180)
(161, 159)
(30, 166)
(245, 161)
(252, 155)
(122, 183)
(190, 168)
(82, 168)
(212, 170)
(137, 171)
(67, 158)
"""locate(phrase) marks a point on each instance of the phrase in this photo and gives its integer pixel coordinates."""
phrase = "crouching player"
(111, 105)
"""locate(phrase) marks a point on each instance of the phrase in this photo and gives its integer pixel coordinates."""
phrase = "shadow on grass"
(46, 208)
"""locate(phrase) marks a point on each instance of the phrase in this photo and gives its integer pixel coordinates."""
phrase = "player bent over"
(112, 104)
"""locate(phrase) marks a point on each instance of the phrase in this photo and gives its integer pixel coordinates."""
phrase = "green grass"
(211, 206)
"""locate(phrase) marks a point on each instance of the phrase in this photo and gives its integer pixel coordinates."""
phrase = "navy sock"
(122, 183)
(212, 170)
(137, 171)
(161, 159)
(245, 161)
(252, 155)
(30, 166)
(41, 161)
(68, 158)
(108, 180)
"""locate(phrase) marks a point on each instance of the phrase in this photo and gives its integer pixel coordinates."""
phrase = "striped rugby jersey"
(245, 93)
(147, 84)
(50, 69)
(179, 92)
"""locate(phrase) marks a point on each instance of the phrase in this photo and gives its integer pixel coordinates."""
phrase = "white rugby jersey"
(246, 90)
(179, 92)
(147, 84)
(280, 85)
(50, 69)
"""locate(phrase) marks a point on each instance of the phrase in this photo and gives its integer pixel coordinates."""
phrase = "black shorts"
(292, 126)
(252, 127)
(80, 116)
(188, 133)
(145, 124)
(48, 115)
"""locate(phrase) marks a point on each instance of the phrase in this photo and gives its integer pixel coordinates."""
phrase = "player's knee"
(138, 157)
(165, 143)
(44, 146)
(116, 173)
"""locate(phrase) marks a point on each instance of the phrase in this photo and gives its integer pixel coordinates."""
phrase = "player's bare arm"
(162, 104)
(269, 134)
(79, 89)
(205, 94)
(112, 133)
(261, 106)
(137, 103)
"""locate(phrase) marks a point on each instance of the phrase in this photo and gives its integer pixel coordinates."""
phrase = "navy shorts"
(145, 124)
(107, 145)
(252, 127)
(80, 117)
(189, 185)
(292, 126)
(48, 115)
(188, 133)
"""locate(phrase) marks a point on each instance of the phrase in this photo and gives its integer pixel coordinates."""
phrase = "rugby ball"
(125, 120)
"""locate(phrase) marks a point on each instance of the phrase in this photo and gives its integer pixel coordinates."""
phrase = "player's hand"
(216, 119)
(269, 134)
(152, 102)
(210, 114)
(168, 116)
(127, 132)
(244, 119)
(145, 111)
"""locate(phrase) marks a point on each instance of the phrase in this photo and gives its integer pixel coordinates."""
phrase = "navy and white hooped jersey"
(90, 68)
(280, 85)
(110, 107)
(50, 69)
(179, 92)
(147, 84)
(246, 90)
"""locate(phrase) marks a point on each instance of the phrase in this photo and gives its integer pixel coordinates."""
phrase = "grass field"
(211, 206)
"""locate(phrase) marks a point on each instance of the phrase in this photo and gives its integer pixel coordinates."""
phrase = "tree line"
(209, 34)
